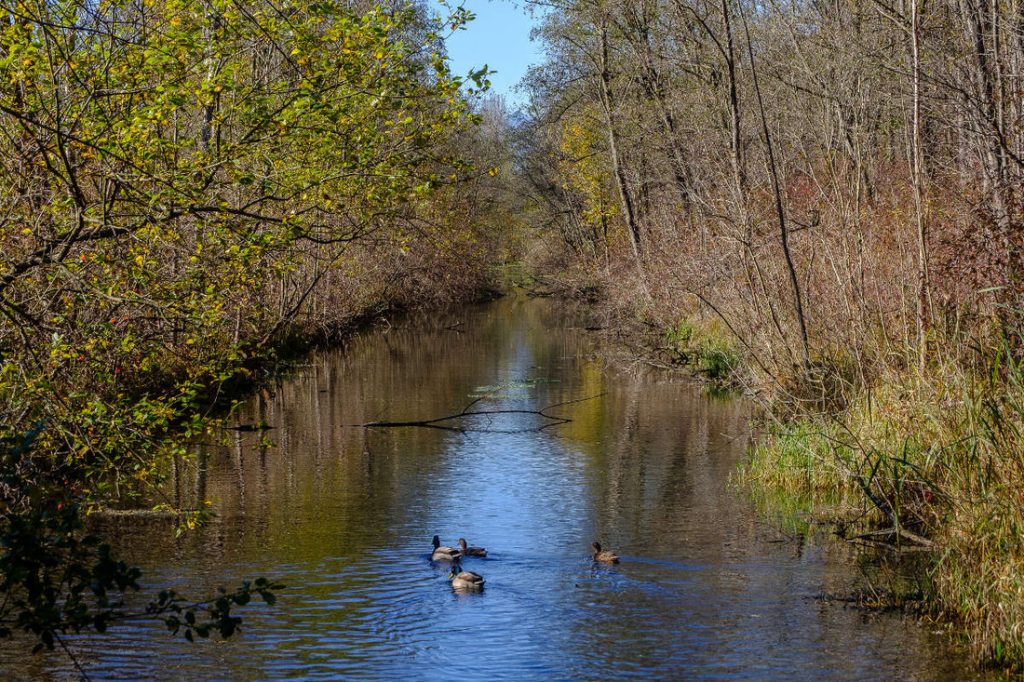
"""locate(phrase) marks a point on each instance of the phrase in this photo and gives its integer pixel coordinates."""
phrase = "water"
(344, 516)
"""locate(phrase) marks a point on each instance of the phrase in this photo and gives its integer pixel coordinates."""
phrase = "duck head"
(462, 544)
(596, 546)
(436, 541)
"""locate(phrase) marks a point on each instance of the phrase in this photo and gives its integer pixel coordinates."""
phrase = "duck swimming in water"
(444, 553)
(470, 551)
(604, 556)
(465, 580)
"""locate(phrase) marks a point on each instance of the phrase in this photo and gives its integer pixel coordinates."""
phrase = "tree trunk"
(779, 208)
(923, 289)
(608, 102)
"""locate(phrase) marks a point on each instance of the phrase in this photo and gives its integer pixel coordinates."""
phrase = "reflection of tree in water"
(267, 487)
(644, 467)
(661, 450)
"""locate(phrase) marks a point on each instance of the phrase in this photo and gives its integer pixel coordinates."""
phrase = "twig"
(74, 659)
(438, 422)
(879, 537)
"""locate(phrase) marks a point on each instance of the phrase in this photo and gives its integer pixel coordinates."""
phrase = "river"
(343, 515)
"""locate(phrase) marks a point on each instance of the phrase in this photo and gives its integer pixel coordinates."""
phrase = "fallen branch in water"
(891, 538)
(439, 422)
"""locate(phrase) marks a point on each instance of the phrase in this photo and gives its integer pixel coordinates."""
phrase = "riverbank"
(922, 468)
(61, 577)
(174, 232)
(848, 250)
(929, 463)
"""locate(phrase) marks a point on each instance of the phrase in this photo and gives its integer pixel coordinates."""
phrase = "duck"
(605, 556)
(470, 551)
(444, 553)
(465, 580)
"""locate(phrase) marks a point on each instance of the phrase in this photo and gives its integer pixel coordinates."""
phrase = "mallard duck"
(465, 580)
(605, 556)
(444, 553)
(470, 551)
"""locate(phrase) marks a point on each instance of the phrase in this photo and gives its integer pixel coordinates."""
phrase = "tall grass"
(706, 347)
(928, 460)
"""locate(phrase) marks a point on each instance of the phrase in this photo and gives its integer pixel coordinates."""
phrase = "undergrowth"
(930, 461)
(706, 347)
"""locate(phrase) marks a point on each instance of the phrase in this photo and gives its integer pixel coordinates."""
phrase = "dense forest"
(821, 202)
(818, 203)
(187, 191)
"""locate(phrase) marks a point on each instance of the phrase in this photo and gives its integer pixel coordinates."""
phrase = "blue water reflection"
(344, 517)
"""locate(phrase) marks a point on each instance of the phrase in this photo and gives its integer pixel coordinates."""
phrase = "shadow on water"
(344, 517)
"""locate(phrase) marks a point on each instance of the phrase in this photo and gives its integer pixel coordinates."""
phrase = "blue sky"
(500, 38)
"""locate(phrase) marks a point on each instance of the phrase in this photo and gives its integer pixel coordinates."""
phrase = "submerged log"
(440, 422)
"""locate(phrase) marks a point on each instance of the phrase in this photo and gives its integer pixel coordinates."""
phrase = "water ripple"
(344, 518)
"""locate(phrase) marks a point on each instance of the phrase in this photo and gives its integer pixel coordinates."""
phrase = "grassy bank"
(921, 467)
(926, 463)
(826, 241)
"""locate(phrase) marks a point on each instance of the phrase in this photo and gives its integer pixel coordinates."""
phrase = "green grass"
(938, 458)
(706, 347)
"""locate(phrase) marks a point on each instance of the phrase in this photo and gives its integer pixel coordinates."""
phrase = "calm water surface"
(344, 517)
